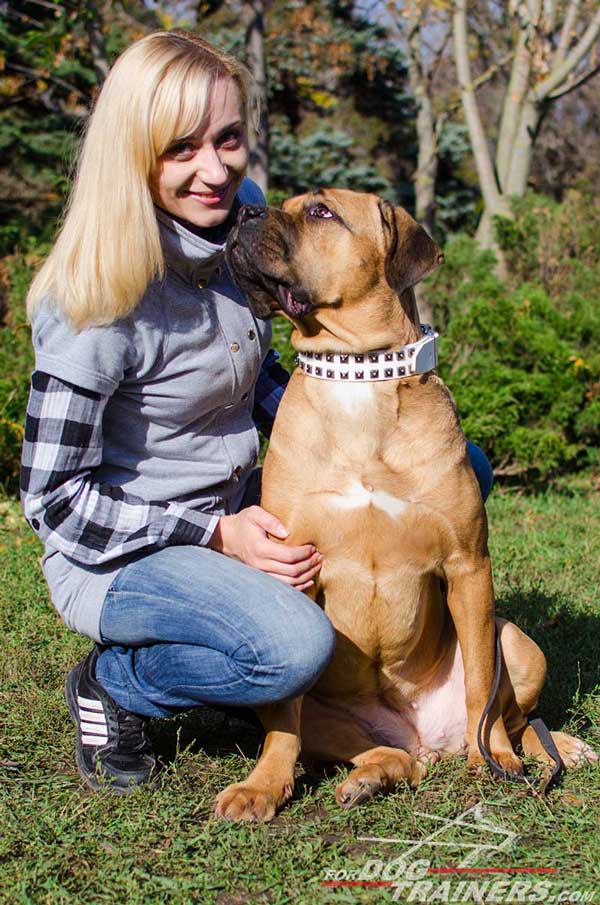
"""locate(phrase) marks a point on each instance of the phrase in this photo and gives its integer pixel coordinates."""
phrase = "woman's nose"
(210, 167)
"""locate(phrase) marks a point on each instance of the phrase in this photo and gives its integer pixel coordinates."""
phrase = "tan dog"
(377, 477)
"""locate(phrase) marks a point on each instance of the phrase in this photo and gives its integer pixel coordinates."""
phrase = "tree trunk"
(427, 157)
(427, 161)
(522, 154)
(494, 201)
(515, 92)
(427, 167)
(258, 140)
(425, 179)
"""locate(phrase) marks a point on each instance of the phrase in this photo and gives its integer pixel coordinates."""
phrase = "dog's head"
(327, 249)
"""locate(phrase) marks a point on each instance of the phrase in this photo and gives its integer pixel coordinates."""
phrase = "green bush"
(521, 357)
(16, 363)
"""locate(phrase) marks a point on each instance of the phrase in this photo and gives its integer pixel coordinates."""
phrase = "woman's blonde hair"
(108, 248)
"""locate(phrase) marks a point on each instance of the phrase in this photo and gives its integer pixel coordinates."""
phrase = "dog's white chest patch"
(353, 398)
(359, 495)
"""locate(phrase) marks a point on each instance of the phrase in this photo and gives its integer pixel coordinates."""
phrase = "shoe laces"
(132, 731)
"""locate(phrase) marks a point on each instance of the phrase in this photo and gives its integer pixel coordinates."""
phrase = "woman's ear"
(411, 254)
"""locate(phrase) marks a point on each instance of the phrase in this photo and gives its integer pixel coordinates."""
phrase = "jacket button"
(251, 334)
(235, 347)
(35, 524)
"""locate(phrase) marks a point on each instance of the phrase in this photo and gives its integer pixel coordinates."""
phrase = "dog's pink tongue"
(289, 303)
(286, 298)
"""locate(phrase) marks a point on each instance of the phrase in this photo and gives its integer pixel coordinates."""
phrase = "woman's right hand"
(243, 536)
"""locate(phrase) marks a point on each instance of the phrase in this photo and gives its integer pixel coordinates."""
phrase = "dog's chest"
(356, 473)
(351, 400)
(358, 493)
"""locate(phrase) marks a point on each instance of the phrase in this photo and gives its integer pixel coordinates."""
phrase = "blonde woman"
(141, 445)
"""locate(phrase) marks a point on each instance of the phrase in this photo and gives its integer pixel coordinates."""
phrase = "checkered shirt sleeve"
(270, 386)
(86, 520)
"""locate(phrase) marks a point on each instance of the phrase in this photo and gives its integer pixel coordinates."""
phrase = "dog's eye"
(320, 212)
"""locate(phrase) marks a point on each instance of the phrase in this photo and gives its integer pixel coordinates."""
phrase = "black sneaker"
(112, 745)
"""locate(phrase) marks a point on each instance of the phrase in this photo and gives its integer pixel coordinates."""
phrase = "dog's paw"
(506, 759)
(243, 802)
(574, 752)
(428, 757)
(362, 783)
(475, 760)
(368, 780)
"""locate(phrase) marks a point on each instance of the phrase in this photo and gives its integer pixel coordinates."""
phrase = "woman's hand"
(244, 536)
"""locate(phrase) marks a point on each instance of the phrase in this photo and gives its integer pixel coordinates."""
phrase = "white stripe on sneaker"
(90, 703)
(93, 729)
(94, 740)
(92, 716)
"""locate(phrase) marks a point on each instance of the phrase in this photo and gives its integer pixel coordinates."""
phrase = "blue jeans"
(185, 626)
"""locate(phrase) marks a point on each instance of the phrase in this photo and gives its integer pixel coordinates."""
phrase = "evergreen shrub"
(521, 357)
(16, 364)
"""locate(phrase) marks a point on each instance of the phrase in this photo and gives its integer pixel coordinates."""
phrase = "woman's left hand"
(244, 536)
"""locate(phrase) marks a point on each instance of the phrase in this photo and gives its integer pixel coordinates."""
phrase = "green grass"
(62, 844)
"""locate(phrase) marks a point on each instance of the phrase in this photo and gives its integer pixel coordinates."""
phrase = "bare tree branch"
(566, 32)
(549, 13)
(439, 55)
(47, 77)
(571, 86)
(477, 83)
(23, 17)
(45, 3)
(534, 9)
(576, 55)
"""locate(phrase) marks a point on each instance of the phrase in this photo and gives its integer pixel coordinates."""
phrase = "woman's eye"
(181, 149)
(231, 139)
(321, 211)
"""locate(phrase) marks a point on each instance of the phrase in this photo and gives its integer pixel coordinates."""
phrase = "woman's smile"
(209, 197)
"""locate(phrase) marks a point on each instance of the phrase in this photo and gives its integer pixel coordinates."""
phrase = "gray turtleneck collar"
(191, 256)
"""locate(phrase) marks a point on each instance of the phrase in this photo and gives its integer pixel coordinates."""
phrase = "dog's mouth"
(294, 301)
(251, 269)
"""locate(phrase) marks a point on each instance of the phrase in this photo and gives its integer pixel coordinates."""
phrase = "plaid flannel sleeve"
(90, 522)
(270, 386)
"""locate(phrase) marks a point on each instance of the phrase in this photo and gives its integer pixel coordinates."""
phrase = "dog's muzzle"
(256, 246)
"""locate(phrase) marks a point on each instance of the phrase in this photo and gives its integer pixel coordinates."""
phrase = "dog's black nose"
(251, 212)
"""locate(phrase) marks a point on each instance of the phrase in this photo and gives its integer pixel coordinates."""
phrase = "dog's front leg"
(271, 783)
(471, 605)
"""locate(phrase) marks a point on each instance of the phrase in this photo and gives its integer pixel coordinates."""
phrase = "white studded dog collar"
(415, 358)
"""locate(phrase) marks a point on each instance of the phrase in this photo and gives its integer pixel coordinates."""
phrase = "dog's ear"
(410, 253)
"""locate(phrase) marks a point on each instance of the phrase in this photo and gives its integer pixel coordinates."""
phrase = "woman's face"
(198, 177)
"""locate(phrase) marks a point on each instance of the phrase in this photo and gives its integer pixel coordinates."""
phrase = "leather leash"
(538, 726)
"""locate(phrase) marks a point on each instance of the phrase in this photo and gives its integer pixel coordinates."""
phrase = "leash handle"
(536, 723)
